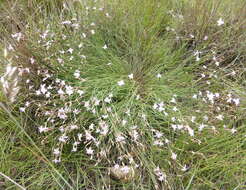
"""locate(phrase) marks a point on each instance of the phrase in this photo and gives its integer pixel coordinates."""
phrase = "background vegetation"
(156, 88)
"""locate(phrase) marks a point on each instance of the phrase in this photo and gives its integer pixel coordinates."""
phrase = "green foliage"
(166, 77)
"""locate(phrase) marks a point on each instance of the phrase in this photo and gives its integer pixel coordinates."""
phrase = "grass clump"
(124, 95)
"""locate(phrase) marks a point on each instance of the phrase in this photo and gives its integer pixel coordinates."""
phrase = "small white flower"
(83, 35)
(158, 134)
(80, 92)
(121, 83)
(184, 168)
(66, 22)
(158, 75)
(107, 100)
(220, 22)
(22, 109)
(200, 128)
(105, 46)
(60, 92)
(220, 117)
(43, 90)
(60, 60)
(70, 50)
(92, 31)
(72, 127)
(69, 90)
(80, 136)
(130, 76)
(63, 138)
(192, 36)
(125, 169)
(43, 129)
(173, 100)
(175, 109)
(233, 130)
(89, 151)
(190, 131)
(194, 96)
(76, 74)
(88, 136)
(56, 151)
(236, 101)
(56, 160)
(120, 138)
(174, 156)
(124, 122)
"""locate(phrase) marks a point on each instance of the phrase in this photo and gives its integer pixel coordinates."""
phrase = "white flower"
(43, 129)
(198, 58)
(161, 176)
(80, 136)
(130, 76)
(72, 127)
(70, 50)
(190, 131)
(158, 143)
(124, 122)
(158, 134)
(66, 22)
(60, 91)
(69, 90)
(107, 100)
(175, 109)
(220, 22)
(158, 75)
(17, 36)
(105, 46)
(56, 151)
(174, 156)
(76, 74)
(134, 135)
(89, 151)
(200, 128)
(121, 83)
(220, 117)
(184, 168)
(125, 169)
(22, 109)
(120, 138)
(56, 160)
(80, 92)
(88, 136)
(233, 130)
(193, 118)
(63, 138)
(173, 100)
(174, 126)
(43, 89)
(236, 101)
(87, 104)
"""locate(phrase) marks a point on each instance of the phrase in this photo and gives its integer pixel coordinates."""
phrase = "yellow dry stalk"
(9, 82)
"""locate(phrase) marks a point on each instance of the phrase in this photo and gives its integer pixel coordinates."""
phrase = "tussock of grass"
(154, 86)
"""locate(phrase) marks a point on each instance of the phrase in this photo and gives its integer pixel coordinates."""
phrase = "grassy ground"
(123, 95)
